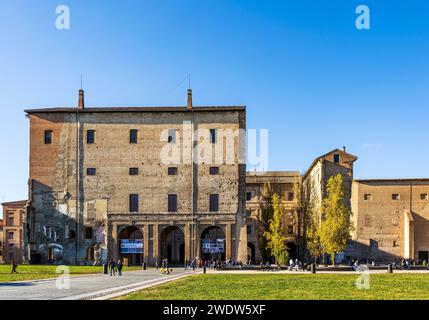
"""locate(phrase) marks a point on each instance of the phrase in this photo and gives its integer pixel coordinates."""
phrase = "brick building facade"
(13, 214)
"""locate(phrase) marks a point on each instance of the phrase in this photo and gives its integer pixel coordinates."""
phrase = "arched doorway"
(251, 252)
(131, 246)
(213, 243)
(291, 249)
(173, 245)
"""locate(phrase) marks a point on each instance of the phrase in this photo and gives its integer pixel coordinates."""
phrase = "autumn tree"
(276, 233)
(335, 226)
(266, 214)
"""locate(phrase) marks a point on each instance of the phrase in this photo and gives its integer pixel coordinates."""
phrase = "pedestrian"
(156, 263)
(14, 266)
(112, 266)
(119, 266)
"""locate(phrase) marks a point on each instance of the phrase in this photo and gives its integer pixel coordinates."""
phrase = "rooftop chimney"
(189, 99)
(81, 104)
(344, 149)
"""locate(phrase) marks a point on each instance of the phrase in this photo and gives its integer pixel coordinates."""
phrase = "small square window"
(48, 136)
(396, 196)
(424, 196)
(290, 196)
(172, 171)
(90, 136)
(214, 170)
(91, 171)
(171, 135)
(336, 158)
(133, 135)
(134, 171)
(213, 135)
(248, 196)
(367, 197)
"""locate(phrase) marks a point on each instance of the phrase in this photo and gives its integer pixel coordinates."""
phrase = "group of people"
(164, 267)
(115, 267)
(296, 265)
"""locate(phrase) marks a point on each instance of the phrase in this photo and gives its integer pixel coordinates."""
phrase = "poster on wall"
(217, 246)
(132, 246)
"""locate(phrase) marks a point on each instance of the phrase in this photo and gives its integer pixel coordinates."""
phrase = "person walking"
(14, 266)
(112, 266)
(119, 265)
(156, 263)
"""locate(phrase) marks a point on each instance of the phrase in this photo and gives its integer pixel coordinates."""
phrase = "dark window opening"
(133, 135)
(88, 233)
(172, 202)
(249, 229)
(171, 135)
(48, 136)
(91, 171)
(72, 234)
(336, 158)
(90, 136)
(214, 202)
(248, 196)
(395, 196)
(290, 230)
(134, 171)
(290, 196)
(134, 202)
(172, 171)
(214, 170)
(213, 135)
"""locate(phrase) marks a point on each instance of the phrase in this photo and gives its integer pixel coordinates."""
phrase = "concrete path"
(87, 287)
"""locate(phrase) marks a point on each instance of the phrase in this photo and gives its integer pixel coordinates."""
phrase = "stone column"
(115, 243)
(156, 253)
(197, 241)
(228, 241)
(187, 241)
(146, 243)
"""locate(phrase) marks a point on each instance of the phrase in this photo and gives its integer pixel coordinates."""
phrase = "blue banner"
(132, 246)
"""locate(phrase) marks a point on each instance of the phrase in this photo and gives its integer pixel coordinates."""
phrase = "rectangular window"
(289, 230)
(90, 136)
(214, 202)
(48, 136)
(248, 196)
(172, 171)
(10, 220)
(396, 196)
(133, 135)
(214, 170)
(91, 171)
(367, 197)
(290, 196)
(134, 171)
(336, 158)
(172, 202)
(10, 235)
(88, 233)
(171, 135)
(424, 196)
(213, 135)
(249, 229)
(134, 202)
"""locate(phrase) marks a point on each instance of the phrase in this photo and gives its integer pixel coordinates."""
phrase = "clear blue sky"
(301, 67)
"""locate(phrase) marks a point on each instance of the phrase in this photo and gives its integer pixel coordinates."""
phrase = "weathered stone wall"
(58, 181)
(379, 220)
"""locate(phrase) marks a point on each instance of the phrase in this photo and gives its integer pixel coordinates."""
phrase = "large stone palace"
(146, 183)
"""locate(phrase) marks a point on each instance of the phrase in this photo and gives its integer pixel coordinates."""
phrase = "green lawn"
(31, 272)
(288, 286)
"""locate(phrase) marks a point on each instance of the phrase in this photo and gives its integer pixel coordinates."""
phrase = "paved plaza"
(86, 287)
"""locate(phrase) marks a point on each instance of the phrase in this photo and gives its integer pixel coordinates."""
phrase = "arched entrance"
(250, 252)
(213, 243)
(291, 249)
(131, 246)
(173, 245)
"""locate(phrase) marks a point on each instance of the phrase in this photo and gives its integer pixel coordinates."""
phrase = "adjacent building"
(12, 240)
(1, 241)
